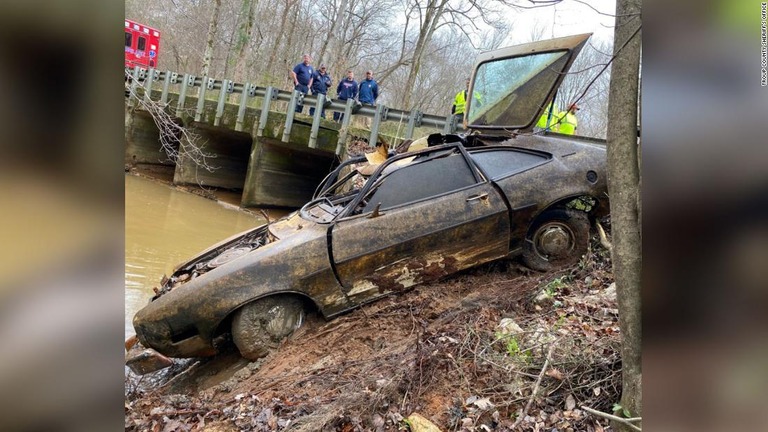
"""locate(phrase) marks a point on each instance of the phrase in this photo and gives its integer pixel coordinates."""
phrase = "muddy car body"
(457, 202)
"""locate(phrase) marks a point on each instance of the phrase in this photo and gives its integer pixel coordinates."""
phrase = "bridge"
(239, 136)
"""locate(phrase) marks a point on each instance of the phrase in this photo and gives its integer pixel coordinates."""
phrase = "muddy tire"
(558, 238)
(259, 327)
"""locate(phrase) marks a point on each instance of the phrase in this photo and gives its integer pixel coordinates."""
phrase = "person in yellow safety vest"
(542, 123)
(459, 103)
(567, 120)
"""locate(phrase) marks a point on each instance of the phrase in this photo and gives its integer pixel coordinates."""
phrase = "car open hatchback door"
(418, 220)
(512, 86)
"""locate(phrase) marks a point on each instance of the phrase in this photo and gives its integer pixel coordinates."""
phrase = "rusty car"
(448, 203)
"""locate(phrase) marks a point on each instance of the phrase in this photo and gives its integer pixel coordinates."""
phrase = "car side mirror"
(376, 213)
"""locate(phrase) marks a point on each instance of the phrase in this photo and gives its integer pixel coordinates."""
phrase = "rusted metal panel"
(419, 242)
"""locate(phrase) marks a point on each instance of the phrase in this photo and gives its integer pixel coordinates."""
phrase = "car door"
(435, 216)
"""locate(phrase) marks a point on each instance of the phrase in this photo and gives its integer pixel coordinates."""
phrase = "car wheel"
(557, 238)
(259, 327)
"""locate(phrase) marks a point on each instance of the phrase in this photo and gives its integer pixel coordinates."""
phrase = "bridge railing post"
(342, 140)
(134, 85)
(379, 116)
(188, 80)
(247, 91)
(414, 120)
(289, 115)
(269, 96)
(169, 77)
(226, 88)
(148, 85)
(206, 85)
(316, 121)
(449, 124)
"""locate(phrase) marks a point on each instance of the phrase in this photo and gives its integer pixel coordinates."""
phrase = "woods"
(421, 51)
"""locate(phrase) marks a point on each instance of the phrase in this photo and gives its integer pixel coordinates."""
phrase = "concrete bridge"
(239, 136)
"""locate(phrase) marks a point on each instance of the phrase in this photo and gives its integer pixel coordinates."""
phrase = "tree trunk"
(623, 188)
(244, 34)
(273, 78)
(434, 11)
(211, 38)
(331, 35)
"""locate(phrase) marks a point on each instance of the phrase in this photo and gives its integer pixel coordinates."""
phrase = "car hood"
(510, 87)
(230, 249)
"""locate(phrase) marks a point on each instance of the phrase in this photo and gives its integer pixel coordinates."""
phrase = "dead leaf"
(555, 373)
(570, 403)
(483, 404)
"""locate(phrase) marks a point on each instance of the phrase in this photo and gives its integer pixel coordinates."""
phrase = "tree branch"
(535, 387)
(622, 420)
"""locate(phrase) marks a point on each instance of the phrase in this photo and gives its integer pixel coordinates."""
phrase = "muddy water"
(165, 226)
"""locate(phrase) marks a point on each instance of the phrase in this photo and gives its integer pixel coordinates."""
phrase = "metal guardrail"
(379, 113)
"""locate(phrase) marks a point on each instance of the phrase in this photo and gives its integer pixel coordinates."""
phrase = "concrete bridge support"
(216, 157)
(142, 140)
(284, 174)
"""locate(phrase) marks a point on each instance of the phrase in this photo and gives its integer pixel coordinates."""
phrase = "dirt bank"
(465, 353)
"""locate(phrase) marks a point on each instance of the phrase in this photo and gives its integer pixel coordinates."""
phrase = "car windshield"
(336, 193)
(404, 179)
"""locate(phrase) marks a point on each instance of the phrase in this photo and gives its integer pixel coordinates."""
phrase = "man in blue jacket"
(320, 84)
(347, 89)
(369, 90)
(302, 75)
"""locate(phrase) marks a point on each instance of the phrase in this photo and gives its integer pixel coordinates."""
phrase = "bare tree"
(433, 14)
(211, 38)
(624, 190)
(243, 36)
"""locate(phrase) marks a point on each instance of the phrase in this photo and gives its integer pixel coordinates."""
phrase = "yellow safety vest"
(568, 123)
(460, 102)
(542, 123)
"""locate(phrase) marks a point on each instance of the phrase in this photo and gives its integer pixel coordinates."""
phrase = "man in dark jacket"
(320, 84)
(369, 90)
(302, 75)
(347, 89)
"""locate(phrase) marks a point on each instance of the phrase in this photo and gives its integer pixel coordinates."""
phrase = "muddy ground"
(466, 353)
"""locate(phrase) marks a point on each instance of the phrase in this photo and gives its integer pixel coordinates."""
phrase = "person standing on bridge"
(347, 89)
(321, 82)
(369, 89)
(302, 75)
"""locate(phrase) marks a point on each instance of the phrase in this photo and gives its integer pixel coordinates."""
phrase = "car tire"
(259, 327)
(558, 238)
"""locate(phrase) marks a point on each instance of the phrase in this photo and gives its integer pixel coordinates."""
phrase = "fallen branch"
(175, 413)
(626, 421)
(535, 387)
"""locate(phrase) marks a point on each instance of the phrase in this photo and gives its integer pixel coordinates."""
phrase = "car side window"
(417, 181)
(505, 162)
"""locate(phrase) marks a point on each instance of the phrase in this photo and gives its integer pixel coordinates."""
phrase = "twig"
(625, 421)
(266, 216)
(535, 387)
(178, 412)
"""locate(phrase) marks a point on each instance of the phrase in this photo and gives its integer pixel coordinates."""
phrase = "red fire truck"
(142, 45)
